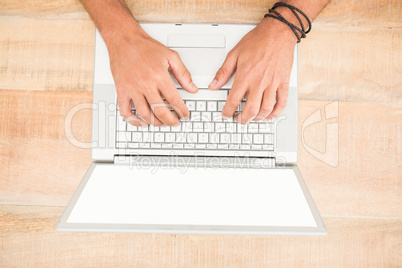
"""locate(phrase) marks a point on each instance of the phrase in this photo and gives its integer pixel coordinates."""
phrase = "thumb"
(224, 73)
(181, 73)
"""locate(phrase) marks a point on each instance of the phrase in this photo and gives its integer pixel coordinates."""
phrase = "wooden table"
(351, 59)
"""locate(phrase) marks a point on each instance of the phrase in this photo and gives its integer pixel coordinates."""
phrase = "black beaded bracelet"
(293, 27)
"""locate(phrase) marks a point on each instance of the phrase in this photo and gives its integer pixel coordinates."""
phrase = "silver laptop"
(208, 175)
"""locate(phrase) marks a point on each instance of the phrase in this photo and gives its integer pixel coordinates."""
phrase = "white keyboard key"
(231, 127)
(165, 129)
(206, 116)
(247, 139)
(121, 123)
(242, 128)
(195, 116)
(223, 146)
(167, 145)
(200, 146)
(198, 127)
(209, 127)
(212, 106)
(190, 105)
(131, 127)
(156, 145)
(268, 147)
(159, 137)
(256, 146)
(189, 146)
(244, 147)
(136, 137)
(144, 145)
(221, 104)
(133, 145)
(214, 138)
(123, 136)
(211, 146)
(170, 137)
(201, 106)
(236, 138)
(176, 128)
(224, 138)
(178, 146)
(121, 145)
(258, 139)
(142, 129)
(265, 127)
(152, 128)
(269, 138)
(187, 127)
(181, 137)
(220, 127)
(192, 137)
(203, 137)
(147, 137)
(234, 147)
(253, 127)
(217, 117)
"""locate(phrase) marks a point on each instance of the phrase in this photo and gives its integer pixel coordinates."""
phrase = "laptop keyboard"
(205, 130)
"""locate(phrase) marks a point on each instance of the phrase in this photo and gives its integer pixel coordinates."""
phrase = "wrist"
(271, 25)
(121, 32)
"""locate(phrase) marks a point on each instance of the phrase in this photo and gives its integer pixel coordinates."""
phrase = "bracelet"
(293, 27)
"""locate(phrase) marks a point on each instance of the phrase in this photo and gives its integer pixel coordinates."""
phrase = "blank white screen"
(200, 196)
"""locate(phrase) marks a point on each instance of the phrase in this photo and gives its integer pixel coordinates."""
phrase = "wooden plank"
(39, 54)
(28, 238)
(42, 168)
(377, 13)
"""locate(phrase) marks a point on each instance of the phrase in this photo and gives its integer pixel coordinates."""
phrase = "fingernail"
(224, 117)
(213, 83)
(195, 88)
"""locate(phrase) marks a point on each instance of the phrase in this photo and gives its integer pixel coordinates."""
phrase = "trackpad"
(202, 61)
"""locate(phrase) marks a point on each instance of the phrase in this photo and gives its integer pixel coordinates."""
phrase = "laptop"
(206, 176)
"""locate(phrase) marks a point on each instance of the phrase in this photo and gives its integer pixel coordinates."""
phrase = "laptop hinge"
(196, 161)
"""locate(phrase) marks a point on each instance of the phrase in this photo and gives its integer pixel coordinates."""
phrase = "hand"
(263, 61)
(140, 66)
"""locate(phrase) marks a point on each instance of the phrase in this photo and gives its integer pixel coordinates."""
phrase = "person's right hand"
(140, 66)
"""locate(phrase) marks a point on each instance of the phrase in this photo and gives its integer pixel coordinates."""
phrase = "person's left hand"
(263, 61)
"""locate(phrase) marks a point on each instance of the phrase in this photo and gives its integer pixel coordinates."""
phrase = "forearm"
(112, 18)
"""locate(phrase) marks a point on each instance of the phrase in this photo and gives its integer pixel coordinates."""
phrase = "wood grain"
(28, 238)
(378, 13)
(349, 64)
(43, 168)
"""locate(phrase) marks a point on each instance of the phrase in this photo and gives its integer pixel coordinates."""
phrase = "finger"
(225, 72)
(125, 111)
(181, 73)
(172, 96)
(281, 100)
(144, 111)
(268, 103)
(252, 107)
(161, 111)
(234, 98)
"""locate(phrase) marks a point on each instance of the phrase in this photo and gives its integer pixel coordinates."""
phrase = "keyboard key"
(217, 117)
(187, 127)
(220, 127)
(136, 137)
(156, 145)
(223, 146)
(244, 147)
(258, 139)
(269, 138)
(144, 145)
(253, 127)
(214, 138)
(224, 138)
(189, 146)
(123, 136)
(165, 129)
(234, 146)
(121, 123)
(142, 129)
(178, 146)
(211, 146)
(200, 146)
(209, 127)
(231, 127)
(212, 106)
(256, 146)
(159, 137)
(265, 127)
(176, 128)
(121, 145)
(192, 137)
(152, 128)
(221, 104)
(147, 137)
(133, 145)
(190, 105)
(201, 106)
(170, 137)
(236, 138)
(203, 137)
(242, 128)
(181, 137)
(131, 127)
(268, 147)
(247, 139)
(167, 145)
(195, 116)
(206, 116)
(198, 127)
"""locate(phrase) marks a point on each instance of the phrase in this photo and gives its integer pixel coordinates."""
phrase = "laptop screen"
(119, 194)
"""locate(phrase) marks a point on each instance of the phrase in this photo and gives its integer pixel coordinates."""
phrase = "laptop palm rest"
(123, 198)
